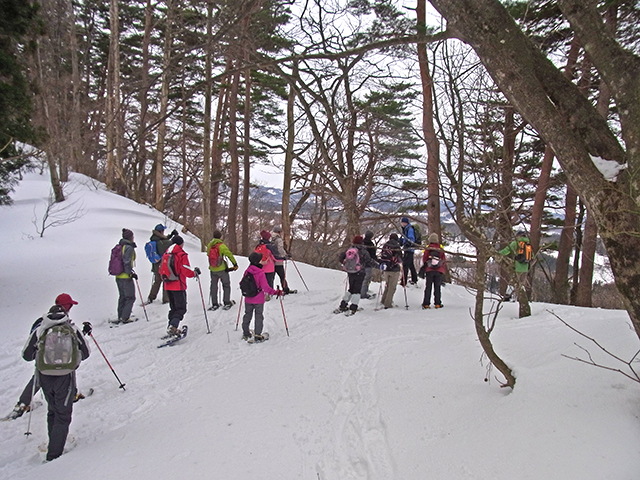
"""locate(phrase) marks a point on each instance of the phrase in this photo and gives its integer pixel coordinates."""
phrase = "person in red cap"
(65, 301)
(56, 363)
(354, 261)
(268, 252)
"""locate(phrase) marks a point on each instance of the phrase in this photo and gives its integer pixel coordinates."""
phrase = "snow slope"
(396, 394)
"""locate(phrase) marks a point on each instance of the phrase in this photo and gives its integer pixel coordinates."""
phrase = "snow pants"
(368, 274)
(127, 296)
(433, 278)
(60, 392)
(408, 266)
(224, 278)
(249, 309)
(390, 280)
(177, 306)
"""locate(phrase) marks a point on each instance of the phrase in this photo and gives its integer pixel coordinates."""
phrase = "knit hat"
(433, 238)
(265, 235)
(178, 240)
(159, 228)
(277, 229)
(65, 301)
(404, 220)
(127, 234)
(393, 236)
(255, 258)
(520, 233)
(368, 234)
(357, 240)
(217, 234)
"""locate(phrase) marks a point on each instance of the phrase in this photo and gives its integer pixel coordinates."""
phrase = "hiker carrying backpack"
(434, 267)
(354, 261)
(58, 347)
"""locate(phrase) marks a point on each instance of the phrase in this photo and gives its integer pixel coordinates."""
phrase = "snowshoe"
(229, 305)
(173, 337)
(213, 307)
(259, 338)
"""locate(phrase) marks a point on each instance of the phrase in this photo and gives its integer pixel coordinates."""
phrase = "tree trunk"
(207, 227)
(561, 277)
(246, 177)
(428, 129)
(483, 332)
(585, 285)
(113, 96)
(234, 168)
(140, 176)
(288, 164)
(547, 164)
(164, 102)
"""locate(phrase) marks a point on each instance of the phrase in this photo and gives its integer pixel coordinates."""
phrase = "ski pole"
(238, 320)
(404, 286)
(284, 317)
(144, 309)
(204, 307)
(33, 393)
(105, 359)
(296, 267)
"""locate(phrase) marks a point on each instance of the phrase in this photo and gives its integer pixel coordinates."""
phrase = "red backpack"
(215, 259)
(168, 267)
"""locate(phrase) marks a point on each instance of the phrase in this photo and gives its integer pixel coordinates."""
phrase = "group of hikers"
(397, 264)
(58, 346)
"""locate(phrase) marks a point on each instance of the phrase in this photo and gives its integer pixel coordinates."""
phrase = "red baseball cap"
(65, 300)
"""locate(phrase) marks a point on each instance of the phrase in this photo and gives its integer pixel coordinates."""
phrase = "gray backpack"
(58, 350)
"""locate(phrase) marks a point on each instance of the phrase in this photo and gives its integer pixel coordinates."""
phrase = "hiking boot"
(344, 306)
(173, 331)
(129, 320)
(246, 337)
(214, 307)
(439, 306)
(18, 410)
(425, 307)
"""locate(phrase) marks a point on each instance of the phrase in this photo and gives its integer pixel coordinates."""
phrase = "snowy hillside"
(397, 394)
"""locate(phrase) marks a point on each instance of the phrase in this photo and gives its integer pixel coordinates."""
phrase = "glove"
(134, 275)
(234, 268)
(86, 328)
(197, 271)
(279, 293)
(173, 233)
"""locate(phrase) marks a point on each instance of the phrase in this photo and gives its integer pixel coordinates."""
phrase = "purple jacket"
(262, 284)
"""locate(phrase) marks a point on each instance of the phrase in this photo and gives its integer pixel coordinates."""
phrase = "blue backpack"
(151, 249)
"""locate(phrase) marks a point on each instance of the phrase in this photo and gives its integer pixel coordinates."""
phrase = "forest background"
(498, 115)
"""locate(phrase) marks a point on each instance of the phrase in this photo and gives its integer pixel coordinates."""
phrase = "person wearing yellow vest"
(126, 287)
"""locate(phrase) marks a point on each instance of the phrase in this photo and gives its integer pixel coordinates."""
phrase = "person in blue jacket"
(408, 242)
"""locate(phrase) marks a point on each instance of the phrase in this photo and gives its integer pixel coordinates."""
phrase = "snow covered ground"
(396, 394)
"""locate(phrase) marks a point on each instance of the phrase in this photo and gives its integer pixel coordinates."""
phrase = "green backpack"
(58, 350)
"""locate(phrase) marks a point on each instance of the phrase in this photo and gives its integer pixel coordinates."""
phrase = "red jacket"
(425, 258)
(182, 269)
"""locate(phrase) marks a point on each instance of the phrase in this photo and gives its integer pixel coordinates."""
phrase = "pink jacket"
(261, 282)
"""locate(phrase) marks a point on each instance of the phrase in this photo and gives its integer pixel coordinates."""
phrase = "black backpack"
(248, 285)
